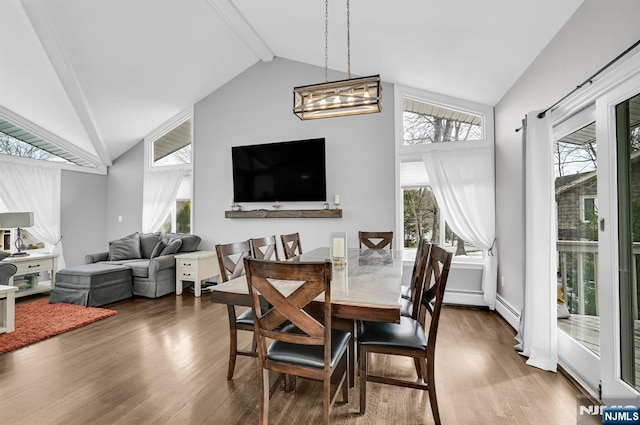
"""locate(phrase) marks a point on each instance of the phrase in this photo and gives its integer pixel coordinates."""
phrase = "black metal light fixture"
(353, 96)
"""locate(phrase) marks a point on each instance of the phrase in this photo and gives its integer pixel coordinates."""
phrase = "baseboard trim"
(470, 298)
(508, 312)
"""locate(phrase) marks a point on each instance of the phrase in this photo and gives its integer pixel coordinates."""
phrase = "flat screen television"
(283, 172)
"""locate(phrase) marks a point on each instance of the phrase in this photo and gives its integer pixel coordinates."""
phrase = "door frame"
(613, 387)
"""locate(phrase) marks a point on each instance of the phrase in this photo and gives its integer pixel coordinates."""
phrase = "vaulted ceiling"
(100, 75)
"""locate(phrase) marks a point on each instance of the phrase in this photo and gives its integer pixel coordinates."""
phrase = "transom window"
(14, 141)
(424, 123)
(174, 146)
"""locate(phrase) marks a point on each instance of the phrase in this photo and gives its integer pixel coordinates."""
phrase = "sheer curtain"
(462, 180)
(159, 195)
(538, 329)
(37, 189)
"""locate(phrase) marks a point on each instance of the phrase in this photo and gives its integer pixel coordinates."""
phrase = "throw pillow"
(148, 241)
(173, 247)
(127, 248)
(157, 250)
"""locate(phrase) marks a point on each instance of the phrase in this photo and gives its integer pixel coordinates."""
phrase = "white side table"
(7, 308)
(195, 267)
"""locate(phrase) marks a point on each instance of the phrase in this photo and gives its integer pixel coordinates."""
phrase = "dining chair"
(376, 240)
(291, 245)
(230, 260)
(414, 289)
(301, 345)
(264, 248)
(409, 338)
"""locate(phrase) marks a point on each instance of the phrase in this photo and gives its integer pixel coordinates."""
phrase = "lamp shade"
(12, 220)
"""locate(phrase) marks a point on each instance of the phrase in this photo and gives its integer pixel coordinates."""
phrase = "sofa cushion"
(125, 248)
(148, 242)
(190, 243)
(157, 250)
(139, 268)
(172, 247)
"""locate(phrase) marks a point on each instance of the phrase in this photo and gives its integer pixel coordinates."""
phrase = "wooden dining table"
(367, 287)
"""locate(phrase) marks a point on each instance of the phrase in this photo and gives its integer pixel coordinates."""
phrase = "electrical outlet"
(119, 219)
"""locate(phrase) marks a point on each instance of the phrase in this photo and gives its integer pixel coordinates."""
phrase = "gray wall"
(83, 201)
(124, 194)
(597, 32)
(255, 107)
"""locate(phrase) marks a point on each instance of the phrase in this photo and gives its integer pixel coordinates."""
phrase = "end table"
(195, 267)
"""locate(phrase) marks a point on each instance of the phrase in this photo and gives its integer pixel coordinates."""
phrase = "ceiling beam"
(37, 17)
(239, 24)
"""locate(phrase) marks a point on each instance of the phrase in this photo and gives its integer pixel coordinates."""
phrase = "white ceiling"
(102, 74)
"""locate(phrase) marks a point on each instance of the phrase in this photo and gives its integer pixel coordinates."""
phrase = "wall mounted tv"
(283, 172)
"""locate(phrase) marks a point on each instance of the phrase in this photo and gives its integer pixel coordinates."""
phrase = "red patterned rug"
(40, 320)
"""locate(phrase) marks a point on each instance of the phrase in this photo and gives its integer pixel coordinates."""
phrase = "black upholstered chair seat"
(245, 318)
(308, 355)
(406, 334)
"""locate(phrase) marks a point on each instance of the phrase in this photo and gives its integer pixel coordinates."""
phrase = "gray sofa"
(152, 264)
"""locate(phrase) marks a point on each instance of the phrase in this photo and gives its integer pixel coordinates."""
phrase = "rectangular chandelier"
(354, 96)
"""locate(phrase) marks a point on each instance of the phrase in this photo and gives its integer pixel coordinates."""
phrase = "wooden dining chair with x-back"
(291, 245)
(301, 344)
(376, 240)
(265, 248)
(409, 337)
(231, 261)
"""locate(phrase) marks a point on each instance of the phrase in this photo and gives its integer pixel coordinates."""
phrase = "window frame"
(413, 153)
(165, 128)
(175, 121)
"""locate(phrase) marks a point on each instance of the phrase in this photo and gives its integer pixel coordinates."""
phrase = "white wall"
(256, 107)
(124, 194)
(597, 32)
(83, 200)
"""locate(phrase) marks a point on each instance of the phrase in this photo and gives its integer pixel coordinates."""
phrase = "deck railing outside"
(578, 275)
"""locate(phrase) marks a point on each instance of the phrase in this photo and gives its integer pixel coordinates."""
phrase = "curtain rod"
(588, 80)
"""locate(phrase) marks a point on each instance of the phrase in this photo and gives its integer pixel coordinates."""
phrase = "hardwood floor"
(164, 361)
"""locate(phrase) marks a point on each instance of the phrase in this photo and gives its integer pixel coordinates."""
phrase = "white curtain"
(538, 328)
(36, 189)
(462, 180)
(159, 195)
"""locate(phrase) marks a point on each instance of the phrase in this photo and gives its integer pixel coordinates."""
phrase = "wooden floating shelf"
(336, 213)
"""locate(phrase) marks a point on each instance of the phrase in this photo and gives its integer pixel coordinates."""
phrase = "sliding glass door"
(618, 117)
(627, 125)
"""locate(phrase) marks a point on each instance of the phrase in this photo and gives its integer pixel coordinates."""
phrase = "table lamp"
(17, 220)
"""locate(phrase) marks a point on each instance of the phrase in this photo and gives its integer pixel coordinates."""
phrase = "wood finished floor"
(164, 361)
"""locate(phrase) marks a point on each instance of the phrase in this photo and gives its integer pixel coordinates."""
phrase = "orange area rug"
(40, 320)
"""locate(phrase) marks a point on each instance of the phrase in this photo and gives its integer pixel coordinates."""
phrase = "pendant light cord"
(326, 39)
(348, 41)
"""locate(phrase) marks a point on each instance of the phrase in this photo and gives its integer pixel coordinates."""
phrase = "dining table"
(366, 287)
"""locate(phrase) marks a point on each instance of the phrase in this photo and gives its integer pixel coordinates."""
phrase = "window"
(425, 123)
(174, 146)
(588, 209)
(169, 150)
(179, 218)
(426, 119)
(15, 141)
(422, 219)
